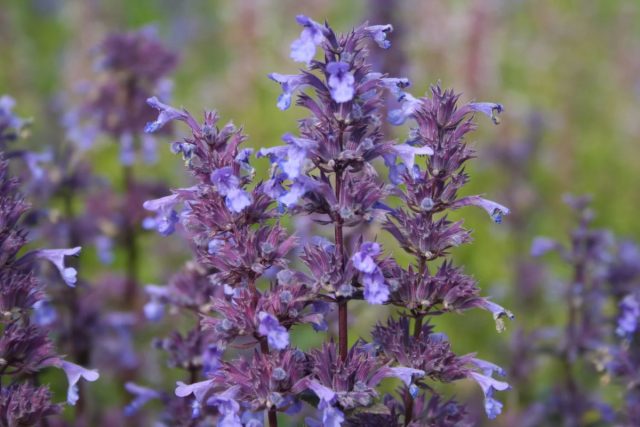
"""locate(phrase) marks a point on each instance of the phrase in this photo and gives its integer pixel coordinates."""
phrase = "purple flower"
(214, 246)
(211, 359)
(44, 313)
(149, 148)
(340, 81)
(74, 373)
(198, 389)
(167, 114)
(492, 407)
(303, 49)
(331, 416)
(498, 312)
(408, 153)
(396, 84)
(495, 210)
(292, 157)
(364, 259)
(489, 109)
(376, 290)
(33, 161)
(104, 248)
(227, 406)
(409, 106)
(228, 185)
(290, 83)
(629, 314)
(379, 34)
(297, 151)
(542, 245)
(237, 200)
(488, 368)
(56, 257)
(406, 375)
(242, 158)
(158, 296)
(7, 118)
(127, 149)
(277, 335)
(224, 180)
(142, 396)
(166, 217)
(290, 198)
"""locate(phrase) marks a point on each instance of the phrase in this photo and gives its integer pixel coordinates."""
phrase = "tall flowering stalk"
(131, 66)
(25, 348)
(593, 341)
(328, 173)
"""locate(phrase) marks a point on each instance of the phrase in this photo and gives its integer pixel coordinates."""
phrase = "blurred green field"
(575, 63)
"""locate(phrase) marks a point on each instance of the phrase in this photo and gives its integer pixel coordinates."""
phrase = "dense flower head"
(25, 347)
(186, 350)
(326, 171)
(266, 380)
(24, 405)
(133, 64)
(430, 352)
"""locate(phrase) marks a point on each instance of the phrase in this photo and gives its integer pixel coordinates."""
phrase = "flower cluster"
(250, 295)
(25, 348)
(591, 343)
(131, 66)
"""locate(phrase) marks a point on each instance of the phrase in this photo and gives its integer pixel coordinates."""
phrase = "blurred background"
(567, 72)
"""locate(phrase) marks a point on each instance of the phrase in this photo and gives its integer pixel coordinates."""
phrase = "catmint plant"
(263, 282)
(593, 341)
(131, 66)
(25, 347)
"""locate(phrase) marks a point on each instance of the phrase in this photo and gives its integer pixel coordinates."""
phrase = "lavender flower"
(167, 114)
(489, 109)
(233, 224)
(629, 315)
(277, 335)
(303, 49)
(379, 34)
(142, 396)
(56, 257)
(489, 385)
(290, 84)
(340, 81)
(74, 374)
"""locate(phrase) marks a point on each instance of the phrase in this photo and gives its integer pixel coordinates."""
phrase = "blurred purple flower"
(379, 34)
(142, 396)
(290, 83)
(56, 257)
(629, 314)
(74, 373)
(489, 109)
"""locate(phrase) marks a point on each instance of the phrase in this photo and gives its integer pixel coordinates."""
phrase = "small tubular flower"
(56, 257)
(74, 374)
(303, 49)
(277, 335)
(340, 81)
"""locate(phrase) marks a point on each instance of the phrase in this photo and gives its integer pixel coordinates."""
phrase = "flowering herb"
(590, 342)
(327, 172)
(25, 348)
